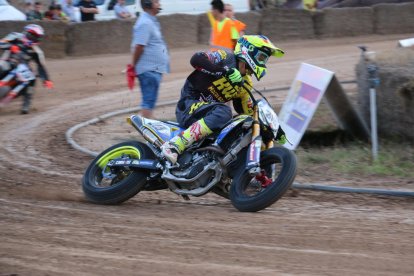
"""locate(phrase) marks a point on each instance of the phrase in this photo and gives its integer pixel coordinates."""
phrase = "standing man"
(88, 10)
(36, 13)
(69, 10)
(121, 11)
(229, 13)
(224, 34)
(150, 55)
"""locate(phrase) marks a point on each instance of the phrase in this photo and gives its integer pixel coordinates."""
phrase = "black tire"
(285, 161)
(125, 185)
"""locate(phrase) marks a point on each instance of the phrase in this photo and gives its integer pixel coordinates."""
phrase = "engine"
(191, 165)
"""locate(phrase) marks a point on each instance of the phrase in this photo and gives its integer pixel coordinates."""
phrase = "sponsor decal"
(225, 88)
(249, 60)
(122, 162)
(251, 151)
(195, 131)
(223, 54)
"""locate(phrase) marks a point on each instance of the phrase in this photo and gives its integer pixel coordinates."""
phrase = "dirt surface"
(47, 228)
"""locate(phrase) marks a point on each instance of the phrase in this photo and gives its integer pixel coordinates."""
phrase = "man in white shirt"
(121, 11)
(69, 10)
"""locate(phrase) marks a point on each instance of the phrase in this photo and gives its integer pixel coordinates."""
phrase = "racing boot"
(27, 100)
(197, 131)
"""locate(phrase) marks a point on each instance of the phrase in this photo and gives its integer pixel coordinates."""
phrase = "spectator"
(59, 14)
(229, 13)
(50, 14)
(36, 13)
(121, 11)
(88, 10)
(69, 10)
(150, 55)
(224, 34)
(28, 9)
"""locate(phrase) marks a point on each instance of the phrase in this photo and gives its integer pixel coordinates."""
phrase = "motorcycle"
(15, 81)
(240, 163)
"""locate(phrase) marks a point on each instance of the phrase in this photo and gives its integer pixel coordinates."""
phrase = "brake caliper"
(264, 180)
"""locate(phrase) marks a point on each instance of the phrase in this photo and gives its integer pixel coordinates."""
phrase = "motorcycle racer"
(18, 47)
(216, 80)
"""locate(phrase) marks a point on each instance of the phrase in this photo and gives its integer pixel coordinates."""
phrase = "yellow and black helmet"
(255, 50)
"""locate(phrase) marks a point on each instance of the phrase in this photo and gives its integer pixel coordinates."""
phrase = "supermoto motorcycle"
(240, 163)
(18, 78)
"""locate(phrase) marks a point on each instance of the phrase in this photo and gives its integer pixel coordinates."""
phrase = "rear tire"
(279, 164)
(125, 184)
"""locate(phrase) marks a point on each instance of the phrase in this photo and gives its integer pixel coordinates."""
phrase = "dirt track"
(47, 228)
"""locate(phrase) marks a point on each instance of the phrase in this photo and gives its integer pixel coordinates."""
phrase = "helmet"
(33, 33)
(255, 50)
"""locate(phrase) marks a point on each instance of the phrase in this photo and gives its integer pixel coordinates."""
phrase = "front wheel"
(254, 193)
(103, 186)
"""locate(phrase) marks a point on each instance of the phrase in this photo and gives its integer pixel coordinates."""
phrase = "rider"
(24, 45)
(218, 78)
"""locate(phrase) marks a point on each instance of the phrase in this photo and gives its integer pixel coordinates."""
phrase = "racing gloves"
(234, 76)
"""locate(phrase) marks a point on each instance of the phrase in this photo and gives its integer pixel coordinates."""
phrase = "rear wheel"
(105, 186)
(254, 193)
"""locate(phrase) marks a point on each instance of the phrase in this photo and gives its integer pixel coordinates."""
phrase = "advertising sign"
(302, 101)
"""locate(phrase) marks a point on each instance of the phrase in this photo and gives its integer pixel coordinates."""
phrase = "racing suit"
(207, 89)
(10, 59)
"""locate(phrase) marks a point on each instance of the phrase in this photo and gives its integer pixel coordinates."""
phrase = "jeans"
(150, 84)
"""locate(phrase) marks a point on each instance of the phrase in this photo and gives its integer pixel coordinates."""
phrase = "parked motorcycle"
(240, 163)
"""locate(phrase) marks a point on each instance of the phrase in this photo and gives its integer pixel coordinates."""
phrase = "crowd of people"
(65, 10)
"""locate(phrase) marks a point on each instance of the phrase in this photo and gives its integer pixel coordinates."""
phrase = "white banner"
(303, 99)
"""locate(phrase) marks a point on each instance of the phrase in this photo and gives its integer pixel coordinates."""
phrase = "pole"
(374, 81)
(373, 113)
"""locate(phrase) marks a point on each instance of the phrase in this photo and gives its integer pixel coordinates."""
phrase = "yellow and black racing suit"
(207, 90)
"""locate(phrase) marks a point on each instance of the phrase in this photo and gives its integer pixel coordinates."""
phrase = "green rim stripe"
(118, 152)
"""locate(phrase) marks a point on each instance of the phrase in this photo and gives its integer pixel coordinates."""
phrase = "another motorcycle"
(240, 163)
(18, 78)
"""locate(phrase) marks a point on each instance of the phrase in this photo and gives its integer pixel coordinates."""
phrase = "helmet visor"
(32, 37)
(261, 57)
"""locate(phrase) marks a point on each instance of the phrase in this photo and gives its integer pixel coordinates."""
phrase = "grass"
(393, 159)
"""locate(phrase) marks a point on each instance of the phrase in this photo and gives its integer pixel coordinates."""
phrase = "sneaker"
(170, 151)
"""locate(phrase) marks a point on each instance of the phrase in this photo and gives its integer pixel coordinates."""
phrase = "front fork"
(255, 147)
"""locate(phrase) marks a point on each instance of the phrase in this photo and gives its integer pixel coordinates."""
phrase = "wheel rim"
(270, 170)
(127, 152)
(132, 152)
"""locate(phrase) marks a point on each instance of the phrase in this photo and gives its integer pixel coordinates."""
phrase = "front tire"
(247, 194)
(123, 183)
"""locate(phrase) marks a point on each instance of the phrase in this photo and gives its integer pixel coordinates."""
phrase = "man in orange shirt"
(229, 13)
(224, 33)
